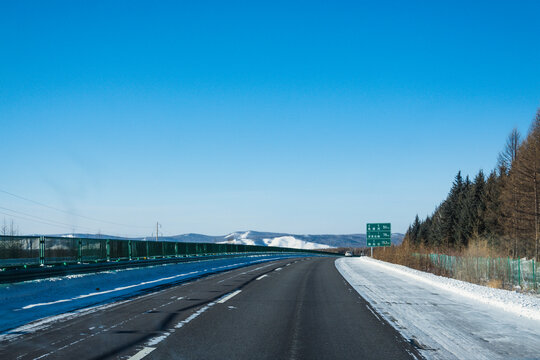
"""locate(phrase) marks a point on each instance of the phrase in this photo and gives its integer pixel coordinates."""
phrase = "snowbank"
(517, 303)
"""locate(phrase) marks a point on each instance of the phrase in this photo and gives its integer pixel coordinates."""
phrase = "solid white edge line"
(227, 297)
(145, 351)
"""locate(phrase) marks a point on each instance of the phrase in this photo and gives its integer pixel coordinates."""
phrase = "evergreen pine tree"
(450, 210)
(479, 204)
(413, 236)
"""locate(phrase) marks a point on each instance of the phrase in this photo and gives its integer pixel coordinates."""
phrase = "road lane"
(97, 332)
(305, 311)
(287, 309)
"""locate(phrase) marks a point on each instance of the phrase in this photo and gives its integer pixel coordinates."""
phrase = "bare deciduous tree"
(507, 159)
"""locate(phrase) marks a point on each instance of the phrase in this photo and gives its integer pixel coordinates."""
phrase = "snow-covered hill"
(292, 242)
(280, 241)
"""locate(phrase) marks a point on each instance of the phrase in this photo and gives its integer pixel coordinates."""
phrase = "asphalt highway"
(288, 309)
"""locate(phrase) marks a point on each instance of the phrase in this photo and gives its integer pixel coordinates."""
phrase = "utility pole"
(157, 230)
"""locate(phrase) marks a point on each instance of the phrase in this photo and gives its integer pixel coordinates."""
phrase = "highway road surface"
(298, 308)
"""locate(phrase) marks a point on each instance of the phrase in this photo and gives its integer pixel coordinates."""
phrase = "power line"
(37, 221)
(54, 222)
(71, 213)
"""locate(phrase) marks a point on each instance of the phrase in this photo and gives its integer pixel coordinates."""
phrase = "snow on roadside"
(518, 303)
(447, 318)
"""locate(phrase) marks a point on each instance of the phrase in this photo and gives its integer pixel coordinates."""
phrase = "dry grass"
(477, 247)
(469, 270)
(495, 283)
(404, 254)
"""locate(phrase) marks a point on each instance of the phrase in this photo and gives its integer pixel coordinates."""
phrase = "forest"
(501, 208)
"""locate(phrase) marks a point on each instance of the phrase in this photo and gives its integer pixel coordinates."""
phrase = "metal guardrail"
(32, 251)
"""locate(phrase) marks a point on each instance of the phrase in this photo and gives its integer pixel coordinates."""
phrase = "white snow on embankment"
(448, 318)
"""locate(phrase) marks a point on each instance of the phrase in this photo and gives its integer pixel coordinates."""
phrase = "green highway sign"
(379, 227)
(378, 234)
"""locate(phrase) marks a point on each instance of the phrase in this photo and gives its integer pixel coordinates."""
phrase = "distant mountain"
(271, 239)
(89, 236)
(265, 239)
(195, 238)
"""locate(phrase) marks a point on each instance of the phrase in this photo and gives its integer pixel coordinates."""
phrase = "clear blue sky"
(211, 117)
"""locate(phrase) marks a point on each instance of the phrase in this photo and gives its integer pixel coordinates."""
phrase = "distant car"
(348, 253)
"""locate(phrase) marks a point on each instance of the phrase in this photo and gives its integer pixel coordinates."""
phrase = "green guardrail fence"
(487, 270)
(17, 251)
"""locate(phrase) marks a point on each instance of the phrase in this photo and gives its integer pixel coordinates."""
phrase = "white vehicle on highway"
(348, 253)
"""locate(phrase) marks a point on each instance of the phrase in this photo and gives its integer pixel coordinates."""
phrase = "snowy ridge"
(292, 242)
(238, 235)
(289, 241)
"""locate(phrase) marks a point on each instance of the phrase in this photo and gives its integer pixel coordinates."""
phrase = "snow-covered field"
(32, 300)
(447, 318)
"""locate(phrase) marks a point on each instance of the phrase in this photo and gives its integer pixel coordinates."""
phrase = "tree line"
(502, 208)
(9, 228)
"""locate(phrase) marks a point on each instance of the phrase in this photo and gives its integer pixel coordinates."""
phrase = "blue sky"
(211, 117)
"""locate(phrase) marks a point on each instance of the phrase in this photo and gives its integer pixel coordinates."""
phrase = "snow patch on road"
(156, 340)
(194, 315)
(122, 288)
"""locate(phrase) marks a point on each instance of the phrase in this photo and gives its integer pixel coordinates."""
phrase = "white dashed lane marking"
(145, 351)
(228, 297)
